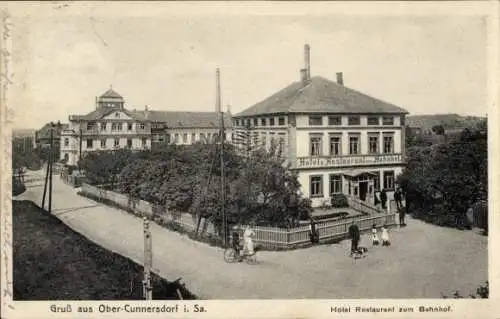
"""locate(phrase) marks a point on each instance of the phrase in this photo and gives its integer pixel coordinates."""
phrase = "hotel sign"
(340, 161)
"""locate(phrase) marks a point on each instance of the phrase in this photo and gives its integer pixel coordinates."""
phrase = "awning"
(357, 172)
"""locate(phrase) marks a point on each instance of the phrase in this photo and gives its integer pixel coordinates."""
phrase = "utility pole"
(222, 136)
(147, 288)
(80, 153)
(51, 161)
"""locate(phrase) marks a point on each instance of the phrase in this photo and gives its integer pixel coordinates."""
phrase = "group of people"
(381, 198)
(355, 236)
(248, 248)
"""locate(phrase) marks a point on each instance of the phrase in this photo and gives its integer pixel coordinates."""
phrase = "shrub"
(339, 201)
(17, 187)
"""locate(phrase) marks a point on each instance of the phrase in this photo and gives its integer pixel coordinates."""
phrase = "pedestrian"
(236, 244)
(385, 236)
(375, 241)
(355, 236)
(313, 233)
(377, 198)
(402, 215)
(247, 241)
(398, 198)
(383, 199)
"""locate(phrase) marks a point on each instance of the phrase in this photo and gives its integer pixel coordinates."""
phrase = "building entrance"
(361, 185)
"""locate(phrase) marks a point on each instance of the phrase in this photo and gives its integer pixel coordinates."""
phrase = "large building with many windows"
(338, 139)
(112, 126)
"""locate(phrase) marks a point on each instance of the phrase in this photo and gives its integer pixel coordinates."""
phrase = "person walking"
(354, 234)
(383, 199)
(385, 236)
(398, 198)
(313, 233)
(247, 241)
(375, 240)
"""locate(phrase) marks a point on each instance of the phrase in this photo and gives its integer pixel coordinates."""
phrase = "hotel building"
(111, 126)
(337, 139)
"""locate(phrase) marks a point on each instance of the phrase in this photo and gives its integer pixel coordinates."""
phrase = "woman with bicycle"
(247, 241)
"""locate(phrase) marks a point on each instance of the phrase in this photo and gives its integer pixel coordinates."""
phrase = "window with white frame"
(129, 143)
(193, 138)
(103, 143)
(389, 180)
(176, 138)
(66, 141)
(129, 126)
(271, 121)
(263, 122)
(315, 120)
(376, 180)
(335, 145)
(354, 120)
(114, 127)
(144, 142)
(335, 184)
(184, 138)
(120, 126)
(281, 120)
(353, 144)
(316, 186)
(117, 142)
(373, 120)
(315, 142)
(388, 144)
(335, 120)
(142, 126)
(373, 145)
(89, 143)
(103, 126)
(388, 120)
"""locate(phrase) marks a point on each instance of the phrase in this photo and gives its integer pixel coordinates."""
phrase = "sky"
(63, 57)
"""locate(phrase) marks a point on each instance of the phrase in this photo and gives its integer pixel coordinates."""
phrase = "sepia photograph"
(161, 154)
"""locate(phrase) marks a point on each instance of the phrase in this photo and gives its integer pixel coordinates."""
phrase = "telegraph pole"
(51, 160)
(80, 153)
(222, 135)
(147, 288)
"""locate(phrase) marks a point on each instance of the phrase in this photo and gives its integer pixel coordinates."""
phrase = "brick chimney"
(303, 77)
(340, 78)
(307, 61)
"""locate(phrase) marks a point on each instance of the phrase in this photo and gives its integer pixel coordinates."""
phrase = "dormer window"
(117, 114)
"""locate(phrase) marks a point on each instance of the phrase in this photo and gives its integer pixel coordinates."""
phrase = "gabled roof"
(104, 111)
(320, 95)
(111, 94)
(174, 119)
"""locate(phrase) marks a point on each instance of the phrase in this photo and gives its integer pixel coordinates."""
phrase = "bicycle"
(230, 256)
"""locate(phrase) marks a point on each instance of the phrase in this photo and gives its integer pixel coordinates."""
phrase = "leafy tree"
(103, 167)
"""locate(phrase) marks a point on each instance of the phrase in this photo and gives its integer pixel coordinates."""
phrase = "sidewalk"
(417, 265)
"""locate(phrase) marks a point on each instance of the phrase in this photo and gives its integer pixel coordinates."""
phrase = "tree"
(104, 167)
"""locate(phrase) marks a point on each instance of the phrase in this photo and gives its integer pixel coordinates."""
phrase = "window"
(193, 137)
(167, 138)
(335, 184)
(184, 138)
(116, 114)
(402, 120)
(202, 136)
(103, 126)
(315, 120)
(90, 126)
(129, 126)
(113, 127)
(335, 145)
(335, 120)
(120, 126)
(129, 143)
(388, 144)
(142, 126)
(176, 138)
(144, 142)
(216, 137)
(117, 142)
(255, 122)
(353, 145)
(389, 180)
(66, 141)
(388, 120)
(89, 143)
(373, 120)
(315, 142)
(209, 136)
(316, 186)
(263, 138)
(281, 142)
(281, 120)
(373, 144)
(103, 143)
(263, 122)
(354, 120)
(271, 121)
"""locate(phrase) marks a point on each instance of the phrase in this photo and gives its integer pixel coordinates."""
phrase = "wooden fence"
(268, 237)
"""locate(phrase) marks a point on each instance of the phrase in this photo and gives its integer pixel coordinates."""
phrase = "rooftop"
(320, 95)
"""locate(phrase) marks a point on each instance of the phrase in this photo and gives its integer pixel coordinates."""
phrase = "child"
(375, 241)
(385, 237)
(236, 245)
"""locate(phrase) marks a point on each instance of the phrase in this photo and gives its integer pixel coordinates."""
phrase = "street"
(422, 262)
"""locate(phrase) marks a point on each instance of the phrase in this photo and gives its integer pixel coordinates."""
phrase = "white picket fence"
(274, 237)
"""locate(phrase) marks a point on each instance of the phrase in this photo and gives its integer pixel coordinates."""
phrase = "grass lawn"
(52, 262)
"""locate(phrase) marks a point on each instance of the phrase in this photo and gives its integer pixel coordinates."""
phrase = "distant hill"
(451, 122)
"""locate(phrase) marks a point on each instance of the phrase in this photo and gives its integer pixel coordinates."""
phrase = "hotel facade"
(111, 126)
(337, 139)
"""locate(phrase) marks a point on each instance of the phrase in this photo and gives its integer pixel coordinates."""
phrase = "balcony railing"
(348, 160)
